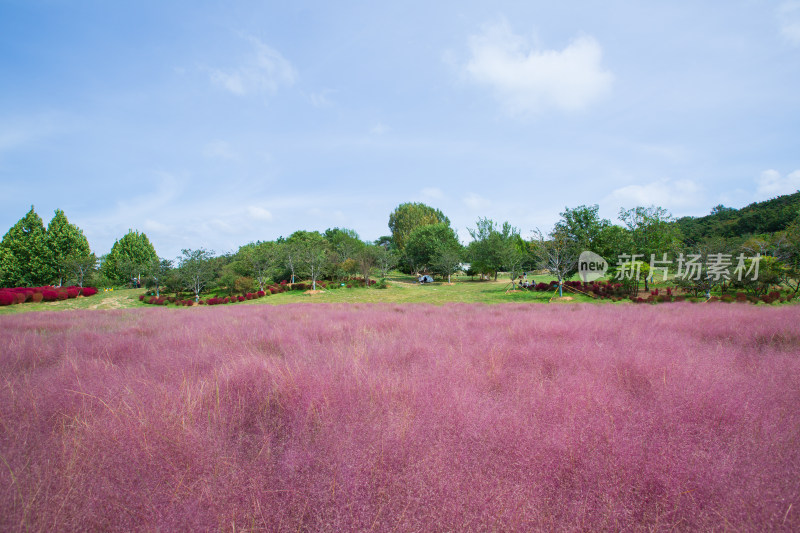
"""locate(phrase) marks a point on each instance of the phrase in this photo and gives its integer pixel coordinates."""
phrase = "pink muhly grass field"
(402, 418)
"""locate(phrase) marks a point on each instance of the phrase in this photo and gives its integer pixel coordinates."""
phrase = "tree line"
(421, 240)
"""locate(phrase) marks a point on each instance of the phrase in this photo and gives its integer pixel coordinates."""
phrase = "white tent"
(425, 278)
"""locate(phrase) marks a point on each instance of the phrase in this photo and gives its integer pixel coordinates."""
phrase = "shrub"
(49, 295)
(141, 297)
(7, 298)
(73, 292)
(89, 291)
(37, 297)
(261, 294)
(241, 298)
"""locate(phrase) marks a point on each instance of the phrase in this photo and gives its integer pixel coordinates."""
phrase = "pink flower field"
(402, 418)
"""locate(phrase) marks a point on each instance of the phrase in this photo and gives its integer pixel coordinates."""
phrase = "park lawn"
(402, 289)
(116, 299)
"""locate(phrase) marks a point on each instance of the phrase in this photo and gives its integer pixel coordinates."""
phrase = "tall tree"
(584, 226)
(652, 229)
(27, 260)
(409, 216)
(159, 270)
(425, 242)
(81, 265)
(129, 258)
(492, 246)
(66, 243)
(558, 255)
(367, 260)
(312, 253)
(385, 259)
(345, 247)
(262, 258)
(196, 270)
(447, 258)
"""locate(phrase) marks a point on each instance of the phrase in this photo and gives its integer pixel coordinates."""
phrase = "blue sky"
(213, 124)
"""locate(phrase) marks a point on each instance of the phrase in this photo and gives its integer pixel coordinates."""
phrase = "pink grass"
(402, 418)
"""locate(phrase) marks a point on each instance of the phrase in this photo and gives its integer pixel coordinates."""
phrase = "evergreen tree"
(129, 258)
(66, 242)
(26, 258)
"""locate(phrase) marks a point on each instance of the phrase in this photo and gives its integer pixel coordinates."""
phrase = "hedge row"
(18, 295)
(166, 300)
(616, 292)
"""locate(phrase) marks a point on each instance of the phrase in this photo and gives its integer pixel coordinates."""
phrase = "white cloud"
(258, 213)
(432, 192)
(665, 193)
(771, 183)
(475, 201)
(155, 226)
(789, 21)
(529, 80)
(263, 72)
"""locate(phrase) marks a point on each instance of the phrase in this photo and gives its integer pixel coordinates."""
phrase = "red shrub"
(7, 298)
(73, 292)
(241, 298)
(37, 297)
(152, 300)
(89, 291)
(49, 295)
(261, 294)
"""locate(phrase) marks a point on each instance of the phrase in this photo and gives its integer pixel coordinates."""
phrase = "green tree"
(158, 271)
(79, 264)
(584, 226)
(653, 231)
(345, 247)
(262, 257)
(447, 258)
(66, 243)
(312, 254)
(425, 242)
(558, 255)
(409, 216)
(492, 246)
(385, 259)
(26, 261)
(789, 255)
(129, 257)
(196, 270)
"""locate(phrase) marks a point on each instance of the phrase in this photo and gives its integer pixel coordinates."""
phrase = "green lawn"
(402, 289)
(116, 299)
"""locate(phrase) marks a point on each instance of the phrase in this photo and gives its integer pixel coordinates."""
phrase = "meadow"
(414, 417)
